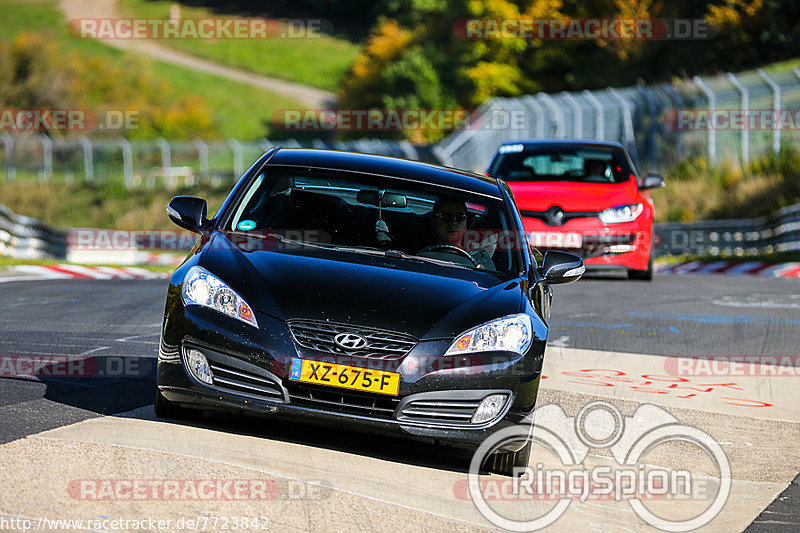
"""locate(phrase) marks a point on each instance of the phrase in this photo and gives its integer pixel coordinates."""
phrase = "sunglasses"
(451, 217)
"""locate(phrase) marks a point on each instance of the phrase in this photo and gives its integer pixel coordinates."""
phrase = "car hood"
(423, 300)
(573, 196)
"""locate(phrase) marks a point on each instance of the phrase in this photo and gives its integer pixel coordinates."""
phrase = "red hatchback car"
(583, 197)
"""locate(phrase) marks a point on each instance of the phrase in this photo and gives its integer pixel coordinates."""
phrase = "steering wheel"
(451, 249)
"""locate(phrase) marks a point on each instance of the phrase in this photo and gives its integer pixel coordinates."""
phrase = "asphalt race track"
(631, 344)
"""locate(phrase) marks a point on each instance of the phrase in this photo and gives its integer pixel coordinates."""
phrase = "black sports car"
(361, 290)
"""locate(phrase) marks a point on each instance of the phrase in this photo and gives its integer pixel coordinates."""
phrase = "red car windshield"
(588, 165)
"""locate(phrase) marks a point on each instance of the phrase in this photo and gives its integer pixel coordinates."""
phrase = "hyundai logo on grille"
(350, 341)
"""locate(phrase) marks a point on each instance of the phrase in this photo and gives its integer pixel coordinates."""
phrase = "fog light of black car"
(198, 366)
(490, 407)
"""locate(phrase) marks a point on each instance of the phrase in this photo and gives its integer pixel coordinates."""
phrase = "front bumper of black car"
(436, 400)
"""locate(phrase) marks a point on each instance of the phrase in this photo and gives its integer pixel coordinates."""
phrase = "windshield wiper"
(402, 255)
(354, 249)
(396, 254)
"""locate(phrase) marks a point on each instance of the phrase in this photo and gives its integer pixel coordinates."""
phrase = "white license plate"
(555, 239)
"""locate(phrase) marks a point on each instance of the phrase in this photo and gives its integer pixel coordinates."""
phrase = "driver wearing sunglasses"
(449, 224)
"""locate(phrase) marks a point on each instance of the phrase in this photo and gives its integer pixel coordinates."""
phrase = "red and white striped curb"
(66, 271)
(748, 268)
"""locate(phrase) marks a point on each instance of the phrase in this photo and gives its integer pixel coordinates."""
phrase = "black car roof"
(387, 166)
(566, 143)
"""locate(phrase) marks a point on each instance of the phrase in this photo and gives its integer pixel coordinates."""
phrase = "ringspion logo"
(600, 425)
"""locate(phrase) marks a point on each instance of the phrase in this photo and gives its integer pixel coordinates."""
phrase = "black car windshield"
(312, 211)
(560, 163)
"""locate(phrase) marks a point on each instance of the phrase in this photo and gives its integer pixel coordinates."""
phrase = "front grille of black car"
(439, 410)
(343, 402)
(242, 382)
(381, 344)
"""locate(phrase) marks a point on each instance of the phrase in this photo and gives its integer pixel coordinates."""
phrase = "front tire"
(166, 409)
(643, 275)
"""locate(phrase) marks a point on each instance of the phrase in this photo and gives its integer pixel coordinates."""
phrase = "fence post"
(651, 132)
(627, 136)
(202, 157)
(776, 106)
(559, 126)
(577, 115)
(538, 112)
(88, 161)
(47, 155)
(166, 153)
(599, 115)
(127, 162)
(746, 108)
(8, 141)
(678, 107)
(712, 107)
(238, 156)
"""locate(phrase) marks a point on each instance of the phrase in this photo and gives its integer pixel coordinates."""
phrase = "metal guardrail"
(643, 119)
(777, 233)
(144, 163)
(29, 238)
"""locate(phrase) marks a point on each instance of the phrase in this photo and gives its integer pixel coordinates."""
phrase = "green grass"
(318, 60)
(109, 206)
(697, 190)
(238, 110)
(783, 66)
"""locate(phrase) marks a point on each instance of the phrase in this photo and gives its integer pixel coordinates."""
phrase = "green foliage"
(418, 87)
(40, 75)
(742, 34)
(697, 191)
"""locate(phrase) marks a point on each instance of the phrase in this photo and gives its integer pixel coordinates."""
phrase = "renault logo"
(350, 341)
(554, 216)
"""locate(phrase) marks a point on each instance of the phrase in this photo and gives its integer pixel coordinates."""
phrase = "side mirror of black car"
(561, 267)
(652, 181)
(188, 212)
